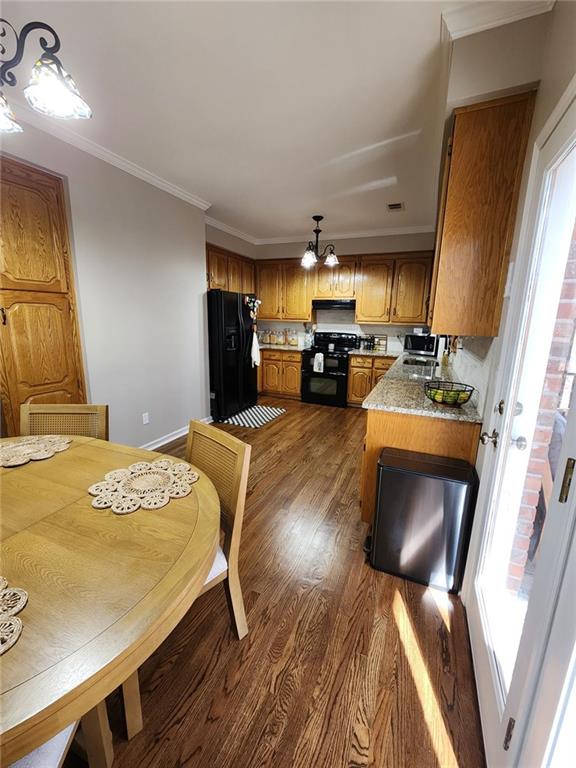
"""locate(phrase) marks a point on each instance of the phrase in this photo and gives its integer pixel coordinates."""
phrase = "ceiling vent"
(395, 206)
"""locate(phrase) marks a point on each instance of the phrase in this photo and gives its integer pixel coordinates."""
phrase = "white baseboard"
(153, 444)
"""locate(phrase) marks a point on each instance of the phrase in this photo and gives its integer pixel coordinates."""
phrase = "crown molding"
(470, 18)
(385, 232)
(45, 124)
(230, 230)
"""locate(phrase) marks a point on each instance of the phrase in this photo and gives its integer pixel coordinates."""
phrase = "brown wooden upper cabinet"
(217, 267)
(335, 282)
(234, 275)
(269, 291)
(229, 271)
(374, 289)
(284, 288)
(389, 288)
(393, 288)
(297, 298)
(477, 211)
(248, 277)
(411, 289)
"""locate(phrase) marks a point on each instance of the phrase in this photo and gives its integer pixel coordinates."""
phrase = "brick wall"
(553, 385)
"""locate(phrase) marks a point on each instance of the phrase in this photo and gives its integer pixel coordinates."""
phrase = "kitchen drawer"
(383, 363)
(294, 357)
(360, 361)
(271, 354)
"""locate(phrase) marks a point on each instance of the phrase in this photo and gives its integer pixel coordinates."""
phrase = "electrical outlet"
(145, 418)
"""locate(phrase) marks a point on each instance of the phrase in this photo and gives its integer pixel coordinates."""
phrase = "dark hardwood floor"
(343, 665)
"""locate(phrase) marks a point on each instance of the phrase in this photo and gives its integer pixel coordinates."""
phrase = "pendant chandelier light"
(51, 91)
(312, 253)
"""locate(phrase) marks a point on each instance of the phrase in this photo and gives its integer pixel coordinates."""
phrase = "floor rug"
(256, 416)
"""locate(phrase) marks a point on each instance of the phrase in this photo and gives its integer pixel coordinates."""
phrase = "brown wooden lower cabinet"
(424, 434)
(359, 384)
(281, 373)
(363, 374)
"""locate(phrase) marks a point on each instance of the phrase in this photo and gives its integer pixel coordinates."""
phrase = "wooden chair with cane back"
(65, 419)
(226, 461)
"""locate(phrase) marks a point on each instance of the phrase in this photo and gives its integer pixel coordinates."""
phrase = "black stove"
(325, 368)
(339, 343)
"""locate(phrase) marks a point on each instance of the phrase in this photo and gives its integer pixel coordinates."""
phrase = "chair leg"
(236, 603)
(98, 737)
(132, 705)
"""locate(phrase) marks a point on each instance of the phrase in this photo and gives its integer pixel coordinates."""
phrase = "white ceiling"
(268, 111)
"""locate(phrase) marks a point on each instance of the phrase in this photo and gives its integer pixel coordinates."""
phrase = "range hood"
(349, 304)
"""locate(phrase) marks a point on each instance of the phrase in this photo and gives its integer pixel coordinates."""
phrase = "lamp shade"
(8, 122)
(309, 259)
(53, 92)
(331, 260)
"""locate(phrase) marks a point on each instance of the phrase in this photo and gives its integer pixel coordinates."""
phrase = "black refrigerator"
(233, 383)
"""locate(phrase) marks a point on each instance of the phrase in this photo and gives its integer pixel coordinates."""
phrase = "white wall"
(494, 61)
(230, 242)
(139, 262)
(558, 60)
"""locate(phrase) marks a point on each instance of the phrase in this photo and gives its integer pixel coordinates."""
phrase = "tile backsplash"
(473, 363)
(342, 321)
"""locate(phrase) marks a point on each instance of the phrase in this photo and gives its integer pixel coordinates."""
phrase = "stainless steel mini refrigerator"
(423, 517)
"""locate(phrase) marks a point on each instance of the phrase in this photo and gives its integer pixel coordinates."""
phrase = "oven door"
(324, 388)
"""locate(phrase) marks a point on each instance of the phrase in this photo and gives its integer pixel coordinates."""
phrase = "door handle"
(520, 442)
(566, 480)
(485, 438)
(517, 410)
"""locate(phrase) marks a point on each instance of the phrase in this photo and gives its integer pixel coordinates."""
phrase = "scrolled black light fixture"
(51, 91)
(312, 253)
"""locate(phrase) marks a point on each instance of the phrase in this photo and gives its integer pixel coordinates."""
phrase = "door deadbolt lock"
(485, 438)
(500, 408)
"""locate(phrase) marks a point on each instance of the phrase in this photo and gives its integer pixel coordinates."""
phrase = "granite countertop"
(282, 347)
(363, 352)
(374, 353)
(401, 390)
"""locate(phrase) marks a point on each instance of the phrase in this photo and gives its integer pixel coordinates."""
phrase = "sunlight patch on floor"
(443, 604)
(439, 736)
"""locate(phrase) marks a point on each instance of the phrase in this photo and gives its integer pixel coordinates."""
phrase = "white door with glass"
(526, 504)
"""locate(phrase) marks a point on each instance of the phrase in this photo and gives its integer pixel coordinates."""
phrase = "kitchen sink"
(419, 361)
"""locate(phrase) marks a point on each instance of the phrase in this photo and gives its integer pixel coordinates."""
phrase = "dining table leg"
(98, 737)
(132, 705)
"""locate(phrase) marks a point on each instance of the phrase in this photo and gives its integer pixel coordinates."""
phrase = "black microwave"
(421, 345)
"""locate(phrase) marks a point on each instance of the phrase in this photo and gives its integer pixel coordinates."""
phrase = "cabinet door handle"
(394, 312)
(2, 316)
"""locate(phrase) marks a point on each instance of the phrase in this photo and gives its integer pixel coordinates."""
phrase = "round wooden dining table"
(104, 590)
